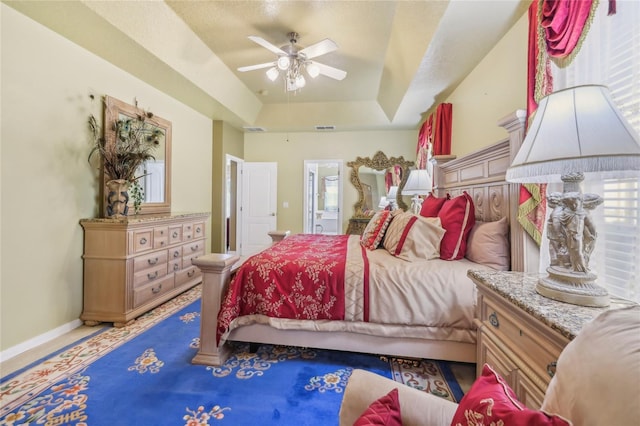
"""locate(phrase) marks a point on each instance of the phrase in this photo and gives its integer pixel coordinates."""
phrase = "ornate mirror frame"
(378, 162)
(115, 109)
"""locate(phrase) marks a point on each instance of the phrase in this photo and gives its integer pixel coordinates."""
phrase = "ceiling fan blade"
(264, 43)
(332, 72)
(320, 48)
(256, 67)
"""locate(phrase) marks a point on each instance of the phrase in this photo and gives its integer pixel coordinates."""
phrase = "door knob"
(273, 214)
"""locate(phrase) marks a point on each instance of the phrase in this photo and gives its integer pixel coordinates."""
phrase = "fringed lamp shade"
(575, 131)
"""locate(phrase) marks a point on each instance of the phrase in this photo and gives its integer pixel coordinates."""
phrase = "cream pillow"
(488, 244)
(597, 380)
(412, 237)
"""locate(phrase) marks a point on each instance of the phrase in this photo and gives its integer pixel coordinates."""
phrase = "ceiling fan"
(292, 60)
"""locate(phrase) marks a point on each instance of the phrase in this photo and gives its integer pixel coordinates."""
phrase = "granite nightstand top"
(519, 288)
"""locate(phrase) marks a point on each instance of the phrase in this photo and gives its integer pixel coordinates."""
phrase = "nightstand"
(521, 333)
(357, 225)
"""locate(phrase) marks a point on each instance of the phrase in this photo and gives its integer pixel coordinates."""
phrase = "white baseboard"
(39, 340)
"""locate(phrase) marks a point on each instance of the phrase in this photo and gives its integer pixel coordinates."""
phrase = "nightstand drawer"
(517, 330)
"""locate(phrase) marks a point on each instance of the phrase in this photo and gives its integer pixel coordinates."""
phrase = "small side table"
(357, 225)
(521, 333)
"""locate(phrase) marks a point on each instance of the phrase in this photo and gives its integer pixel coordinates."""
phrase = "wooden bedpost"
(216, 269)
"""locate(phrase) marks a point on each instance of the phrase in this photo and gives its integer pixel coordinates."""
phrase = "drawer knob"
(198, 230)
(493, 320)
(143, 241)
(176, 253)
(551, 368)
(175, 266)
(152, 277)
(156, 290)
(174, 235)
(195, 248)
(190, 273)
(153, 261)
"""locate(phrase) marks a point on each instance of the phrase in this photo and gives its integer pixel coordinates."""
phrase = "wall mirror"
(374, 178)
(156, 173)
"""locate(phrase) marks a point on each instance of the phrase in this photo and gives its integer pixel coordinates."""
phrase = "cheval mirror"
(156, 173)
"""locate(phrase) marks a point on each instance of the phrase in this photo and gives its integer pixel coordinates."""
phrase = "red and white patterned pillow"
(375, 229)
(458, 217)
(491, 401)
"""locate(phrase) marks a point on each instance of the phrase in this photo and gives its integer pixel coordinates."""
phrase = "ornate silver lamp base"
(416, 204)
(578, 288)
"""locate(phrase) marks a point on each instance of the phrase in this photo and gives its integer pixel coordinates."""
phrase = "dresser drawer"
(189, 255)
(151, 260)
(149, 275)
(522, 333)
(188, 274)
(150, 291)
(160, 237)
(175, 253)
(187, 232)
(175, 234)
(198, 230)
(142, 240)
(174, 265)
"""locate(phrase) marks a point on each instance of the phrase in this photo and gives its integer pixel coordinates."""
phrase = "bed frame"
(481, 174)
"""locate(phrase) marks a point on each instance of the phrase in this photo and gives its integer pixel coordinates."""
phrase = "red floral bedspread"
(301, 277)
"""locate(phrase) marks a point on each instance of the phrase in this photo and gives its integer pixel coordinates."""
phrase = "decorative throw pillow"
(432, 205)
(488, 244)
(458, 217)
(374, 231)
(385, 411)
(490, 401)
(412, 237)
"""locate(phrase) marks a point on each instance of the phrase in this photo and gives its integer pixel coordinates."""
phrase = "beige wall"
(290, 151)
(47, 184)
(493, 90)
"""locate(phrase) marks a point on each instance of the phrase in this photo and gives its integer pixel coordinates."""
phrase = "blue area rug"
(142, 375)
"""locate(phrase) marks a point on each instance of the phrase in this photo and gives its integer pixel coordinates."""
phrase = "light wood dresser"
(132, 265)
(521, 333)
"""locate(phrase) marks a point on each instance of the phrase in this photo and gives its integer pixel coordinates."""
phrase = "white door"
(259, 206)
(323, 197)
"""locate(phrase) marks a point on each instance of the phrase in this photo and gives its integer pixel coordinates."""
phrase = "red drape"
(563, 22)
(442, 134)
(425, 137)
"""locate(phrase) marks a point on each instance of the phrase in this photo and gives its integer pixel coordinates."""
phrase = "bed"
(430, 316)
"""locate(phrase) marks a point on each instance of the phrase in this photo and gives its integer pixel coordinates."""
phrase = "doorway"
(233, 196)
(323, 197)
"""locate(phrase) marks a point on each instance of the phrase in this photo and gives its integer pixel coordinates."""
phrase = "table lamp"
(575, 131)
(418, 183)
(392, 197)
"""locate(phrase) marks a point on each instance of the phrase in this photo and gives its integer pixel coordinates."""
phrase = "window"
(610, 55)
(331, 193)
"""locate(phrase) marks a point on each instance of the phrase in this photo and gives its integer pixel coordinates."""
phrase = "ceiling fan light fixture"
(272, 73)
(300, 81)
(313, 70)
(284, 62)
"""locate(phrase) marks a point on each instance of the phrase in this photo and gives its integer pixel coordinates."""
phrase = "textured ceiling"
(401, 57)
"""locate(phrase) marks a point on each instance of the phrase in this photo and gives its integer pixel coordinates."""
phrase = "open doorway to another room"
(323, 197)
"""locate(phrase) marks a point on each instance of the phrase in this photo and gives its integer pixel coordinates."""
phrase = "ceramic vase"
(117, 199)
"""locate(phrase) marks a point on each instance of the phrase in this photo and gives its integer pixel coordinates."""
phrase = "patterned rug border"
(19, 386)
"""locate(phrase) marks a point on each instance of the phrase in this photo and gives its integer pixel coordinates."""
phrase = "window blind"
(610, 55)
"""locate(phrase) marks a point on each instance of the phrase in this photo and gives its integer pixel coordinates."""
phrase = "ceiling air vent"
(330, 127)
(254, 129)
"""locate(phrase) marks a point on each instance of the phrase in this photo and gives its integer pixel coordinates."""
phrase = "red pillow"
(490, 401)
(385, 411)
(432, 205)
(458, 217)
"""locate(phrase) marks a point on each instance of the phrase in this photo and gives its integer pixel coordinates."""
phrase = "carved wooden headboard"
(482, 175)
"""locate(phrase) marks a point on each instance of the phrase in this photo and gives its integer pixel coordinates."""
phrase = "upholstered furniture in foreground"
(597, 382)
